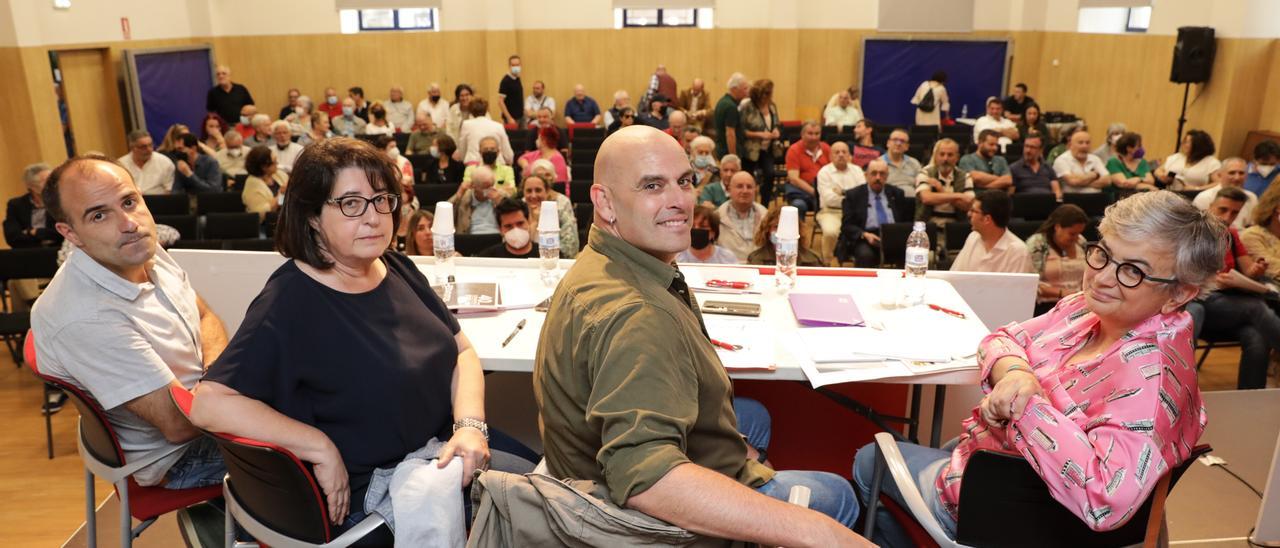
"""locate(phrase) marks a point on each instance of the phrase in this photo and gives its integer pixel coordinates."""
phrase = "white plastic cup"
(443, 222)
(887, 281)
(549, 217)
(789, 223)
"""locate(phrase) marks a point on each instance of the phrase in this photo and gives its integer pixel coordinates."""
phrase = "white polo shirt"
(1066, 164)
(156, 177)
(118, 340)
(1008, 255)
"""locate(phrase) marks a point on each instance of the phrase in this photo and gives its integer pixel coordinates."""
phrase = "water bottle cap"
(919, 225)
(549, 217)
(789, 223)
(443, 222)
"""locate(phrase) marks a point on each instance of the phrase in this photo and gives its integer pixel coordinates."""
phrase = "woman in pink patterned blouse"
(1100, 393)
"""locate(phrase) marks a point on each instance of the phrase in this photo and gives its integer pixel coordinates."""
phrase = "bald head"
(643, 190)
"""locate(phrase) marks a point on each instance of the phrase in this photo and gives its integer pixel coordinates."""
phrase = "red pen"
(728, 285)
(726, 346)
(947, 311)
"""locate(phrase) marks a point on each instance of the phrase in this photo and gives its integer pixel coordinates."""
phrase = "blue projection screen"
(893, 68)
(168, 86)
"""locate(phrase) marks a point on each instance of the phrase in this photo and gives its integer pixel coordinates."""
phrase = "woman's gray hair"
(1197, 240)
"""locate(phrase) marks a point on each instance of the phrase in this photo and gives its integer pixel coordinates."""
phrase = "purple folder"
(825, 310)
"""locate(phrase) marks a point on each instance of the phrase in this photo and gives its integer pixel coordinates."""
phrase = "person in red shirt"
(331, 105)
(804, 158)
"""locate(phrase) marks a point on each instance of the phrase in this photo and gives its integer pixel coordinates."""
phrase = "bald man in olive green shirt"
(630, 391)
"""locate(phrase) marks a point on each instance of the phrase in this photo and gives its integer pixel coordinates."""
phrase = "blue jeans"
(200, 466)
(925, 463)
(830, 494)
(802, 200)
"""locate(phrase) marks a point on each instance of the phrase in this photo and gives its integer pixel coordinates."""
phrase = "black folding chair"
(21, 264)
(1094, 205)
(167, 204)
(584, 214)
(219, 202)
(186, 225)
(893, 242)
(470, 245)
(428, 195)
(231, 226)
(1033, 207)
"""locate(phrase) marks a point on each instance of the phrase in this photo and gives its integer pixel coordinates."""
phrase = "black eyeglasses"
(355, 206)
(1127, 274)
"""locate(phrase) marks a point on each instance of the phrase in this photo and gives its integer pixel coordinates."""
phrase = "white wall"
(269, 17)
(8, 36)
(36, 22)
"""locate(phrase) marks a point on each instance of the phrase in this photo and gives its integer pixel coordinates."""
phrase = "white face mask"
(516, 238)
(434, 151)
(1265, 170)
(394, 152)
(234, 152)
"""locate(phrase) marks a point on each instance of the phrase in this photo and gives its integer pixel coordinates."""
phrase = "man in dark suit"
(866, 208)
(25, 222)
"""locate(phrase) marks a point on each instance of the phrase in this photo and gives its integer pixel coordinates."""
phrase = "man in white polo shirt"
(992, 247)
(120, 321)
(1081, 171)
(153, 173)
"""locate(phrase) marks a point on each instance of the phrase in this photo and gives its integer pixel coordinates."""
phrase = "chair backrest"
(998, 486)
(95, 431)
(167, 204)
(470, 245)
(1033, 207)
(186, 225)
(229, 226)
(584, 214)
(219, 202)
(29, 262)
(429, 194)
(271, 483)
(956, 233)
(1024, 229)
(1094, 205)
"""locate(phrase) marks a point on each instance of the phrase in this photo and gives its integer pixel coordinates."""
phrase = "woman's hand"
(1008, 399)
(468, 443)
(331, 473)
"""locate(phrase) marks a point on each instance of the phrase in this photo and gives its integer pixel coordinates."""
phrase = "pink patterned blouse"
(1107, 428)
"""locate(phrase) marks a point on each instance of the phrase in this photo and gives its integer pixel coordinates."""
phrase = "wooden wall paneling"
(93, 104)
(784, 70)
(1269, 117)
(826, 62)
(1247, 67)
(18, 145)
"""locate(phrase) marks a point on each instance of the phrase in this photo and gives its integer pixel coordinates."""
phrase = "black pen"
(513, 334)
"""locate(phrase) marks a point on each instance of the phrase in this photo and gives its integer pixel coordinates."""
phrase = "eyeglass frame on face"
(390, 198)
(1142, 275)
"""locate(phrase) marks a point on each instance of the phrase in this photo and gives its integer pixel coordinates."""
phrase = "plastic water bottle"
(964, 112)
(442, 238)
(787, 246)
(917, 265)
(549, 243)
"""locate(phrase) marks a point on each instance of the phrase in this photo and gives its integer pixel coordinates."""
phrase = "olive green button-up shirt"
(627, 384)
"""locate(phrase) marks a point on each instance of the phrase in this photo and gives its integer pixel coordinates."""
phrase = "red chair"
(100, 450)
(274, 496)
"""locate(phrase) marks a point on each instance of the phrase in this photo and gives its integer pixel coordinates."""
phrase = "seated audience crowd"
(338, 185)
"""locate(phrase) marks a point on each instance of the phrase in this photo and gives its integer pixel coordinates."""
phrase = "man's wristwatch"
(472, 423)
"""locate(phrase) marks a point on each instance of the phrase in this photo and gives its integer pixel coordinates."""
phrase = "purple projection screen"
(169, 87)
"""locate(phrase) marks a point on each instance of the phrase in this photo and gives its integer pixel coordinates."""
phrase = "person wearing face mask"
(704, 164)
(1107, 150)
(513, 224)
(1262, 171)
(244, 123)
(424, 135)
(511, 93)
(702, 240)
(388, 145)
(548, 143)
(505, 177)
(1129, 168)
(332, 106)
(436, 107)
(348, 125)
(282, 143)
(378, 122)
(231, 156)
(299, 117)
(444, 169)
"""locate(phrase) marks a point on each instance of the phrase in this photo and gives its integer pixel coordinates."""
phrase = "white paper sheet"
(758, 349)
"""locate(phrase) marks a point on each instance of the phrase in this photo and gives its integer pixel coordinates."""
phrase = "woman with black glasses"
(1100, 393)
(347, 357)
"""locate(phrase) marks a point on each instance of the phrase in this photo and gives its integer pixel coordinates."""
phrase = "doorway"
(88, 101)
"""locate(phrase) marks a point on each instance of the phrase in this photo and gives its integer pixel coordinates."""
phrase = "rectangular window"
(665, 17)
(388, 19)
(1139, 19)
